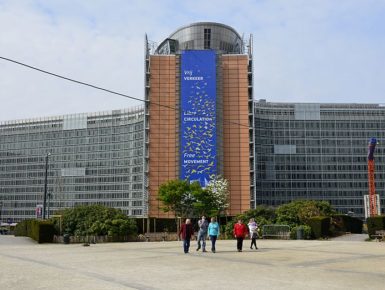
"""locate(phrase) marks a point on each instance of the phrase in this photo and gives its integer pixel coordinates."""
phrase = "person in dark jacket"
(186, 231)
(240, 231)
(202, 233)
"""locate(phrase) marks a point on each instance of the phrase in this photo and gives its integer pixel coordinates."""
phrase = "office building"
(93, 158)
(199, 114)
(199, 120)
(319, 152)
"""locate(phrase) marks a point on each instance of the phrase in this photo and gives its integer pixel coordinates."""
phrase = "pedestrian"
(202, 233)
(240, 232)
(187, 231)
(253, 233)
(213, 232)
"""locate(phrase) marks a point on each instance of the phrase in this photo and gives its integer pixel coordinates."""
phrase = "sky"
(319, 51)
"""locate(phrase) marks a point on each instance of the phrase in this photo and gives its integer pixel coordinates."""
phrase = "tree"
(186, 199)
(219, 189)
(178, 197)
(214, 199)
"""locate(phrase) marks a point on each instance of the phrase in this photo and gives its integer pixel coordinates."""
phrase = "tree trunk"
(177, 227)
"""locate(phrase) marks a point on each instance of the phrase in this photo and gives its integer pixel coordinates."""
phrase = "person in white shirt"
(253, 229)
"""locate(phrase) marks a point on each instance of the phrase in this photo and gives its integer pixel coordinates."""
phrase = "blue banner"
(198, 116)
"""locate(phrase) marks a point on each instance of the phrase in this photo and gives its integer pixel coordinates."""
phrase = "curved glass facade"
(95, 158)
(203, 35)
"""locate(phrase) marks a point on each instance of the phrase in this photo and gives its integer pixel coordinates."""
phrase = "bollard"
(66, 239)
(300, 233)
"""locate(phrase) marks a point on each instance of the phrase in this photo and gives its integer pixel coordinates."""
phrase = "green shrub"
(375, 224)
(319, 226)
(228, 233)
(97, 220)
(299, 212)
(294, 214)
(306, 232)
(30, 224)
(33, 230)
(228, 228)
(21, 229)
(263, 215)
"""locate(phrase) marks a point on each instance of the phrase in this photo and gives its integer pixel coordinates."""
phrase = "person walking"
(202, 233)
(186, 231)
(253, 233)
(213, 232)
(240, 232)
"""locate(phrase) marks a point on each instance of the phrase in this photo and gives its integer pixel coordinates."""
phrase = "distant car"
(3, 231)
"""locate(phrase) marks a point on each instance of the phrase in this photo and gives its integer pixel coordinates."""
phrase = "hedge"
(21, 229)
(356, 225)
(345, 223)
(375, 224)
(319, 226)
(40, 231)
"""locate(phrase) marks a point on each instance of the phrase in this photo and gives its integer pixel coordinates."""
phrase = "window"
(207, 38)
(137, 203)
(136, 212)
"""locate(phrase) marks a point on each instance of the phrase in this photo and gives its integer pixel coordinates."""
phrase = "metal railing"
(276, 231)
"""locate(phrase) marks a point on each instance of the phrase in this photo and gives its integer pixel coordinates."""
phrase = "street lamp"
(1, 211)
(45, 184)
(49, 203)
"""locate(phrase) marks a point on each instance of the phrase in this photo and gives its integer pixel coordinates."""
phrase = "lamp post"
(49, 203)
(45, 184)
(1, 211)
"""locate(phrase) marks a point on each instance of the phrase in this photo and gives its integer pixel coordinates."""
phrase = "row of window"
(118, 125)
(109, 163)
(29, 178)
(331, 186)
(58, 197)
(81, 145)
(348, 170)
(308, 160)
(114, 132)
(85, 157)
(321, 125)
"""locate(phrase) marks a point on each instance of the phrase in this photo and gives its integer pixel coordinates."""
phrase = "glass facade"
(203, 35)
(317, 151)
(95, 158)
(302, 151)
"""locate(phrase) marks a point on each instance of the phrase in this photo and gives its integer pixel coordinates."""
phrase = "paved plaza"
(163, 265)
